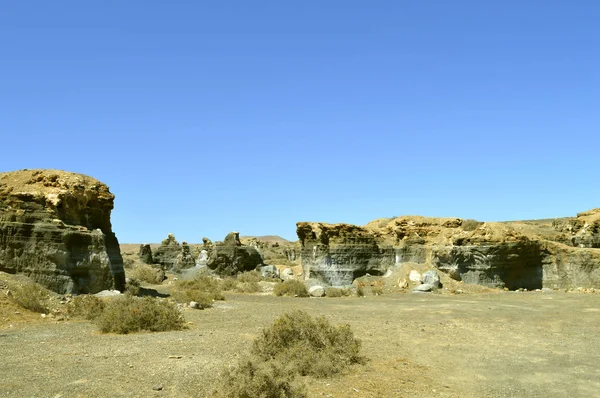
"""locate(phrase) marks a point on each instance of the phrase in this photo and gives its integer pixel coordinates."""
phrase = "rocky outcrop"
(184, 259)
(145, 254)
(55, 227)
(231, 257)
(531, 255)
(166, 254)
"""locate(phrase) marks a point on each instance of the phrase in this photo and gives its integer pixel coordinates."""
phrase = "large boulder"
(55, 227)
(231, 257)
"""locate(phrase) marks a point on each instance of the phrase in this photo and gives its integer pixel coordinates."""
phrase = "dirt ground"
(502, 344)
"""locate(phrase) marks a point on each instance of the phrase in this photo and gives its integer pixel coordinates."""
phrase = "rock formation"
(55, 227)
(527, 254)
(145, 254)
(184, 259)
(231, 257)
(166, 254)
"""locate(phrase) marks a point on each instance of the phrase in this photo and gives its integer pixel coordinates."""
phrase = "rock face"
(340, 253)
(185, 259)
(55, 227)
(528, 254)
(231, 257)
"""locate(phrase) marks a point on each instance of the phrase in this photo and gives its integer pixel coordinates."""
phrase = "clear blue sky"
(205, 117)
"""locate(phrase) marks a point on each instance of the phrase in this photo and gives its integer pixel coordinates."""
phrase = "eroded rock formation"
(55, 227)
(231, 257)
(166, 254)
(527, 254)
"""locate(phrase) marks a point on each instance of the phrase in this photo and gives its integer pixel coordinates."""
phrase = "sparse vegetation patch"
(292, 288)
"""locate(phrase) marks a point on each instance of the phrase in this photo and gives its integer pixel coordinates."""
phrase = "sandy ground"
(503, 344)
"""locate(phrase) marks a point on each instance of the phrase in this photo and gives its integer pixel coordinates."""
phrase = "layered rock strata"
(55, 227)
(560, 253)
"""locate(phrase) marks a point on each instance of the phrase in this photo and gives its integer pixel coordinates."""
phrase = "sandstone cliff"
(55, 227)
(527, 254)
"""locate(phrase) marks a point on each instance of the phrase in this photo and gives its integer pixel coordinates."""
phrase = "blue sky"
(205, 117)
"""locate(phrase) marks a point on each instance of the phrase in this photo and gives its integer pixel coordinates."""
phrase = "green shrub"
(203, 290)
(148, 274)
(292, 288)
(128, 314)
(31, 296)
(85, 306)
(252, 379)
(312, 346)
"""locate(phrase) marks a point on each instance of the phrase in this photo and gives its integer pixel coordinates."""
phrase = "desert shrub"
(87, 307)
(311, 346)
(292, 288)
(336, 292)
(133, 287)
(470, 225)
(229, 283)
(31, 296)
(203, 290)
(252, 379)
(249, 277)
(148, 274)
(128, 314)
(360, 290)
(248, 287)
(128, 262)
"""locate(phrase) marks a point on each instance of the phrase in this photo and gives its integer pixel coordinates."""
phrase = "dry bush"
(128, 314)
(248, 287)
(377, 287)
(292, 288)
(133, 287)
(311, 346)
(252, 379)
(31, 296)
(249, 277)
(85, 306)
(360, 289)
(337, 292)
(147, 273)
(229, 283)
(204, 290)
(470, 225)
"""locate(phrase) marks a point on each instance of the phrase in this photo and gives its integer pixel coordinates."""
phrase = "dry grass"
(128, 314)
(146, 273)
(86, 307)
(204, 290)
(31, 296)
(292, 288)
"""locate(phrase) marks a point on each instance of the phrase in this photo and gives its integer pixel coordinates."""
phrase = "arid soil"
(499, 344)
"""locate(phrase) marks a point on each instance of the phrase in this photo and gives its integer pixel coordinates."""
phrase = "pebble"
(157, 387)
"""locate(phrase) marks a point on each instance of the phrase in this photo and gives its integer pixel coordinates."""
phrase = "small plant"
(292, 288)
(148, 274)
(203, 290)
(249, 277)
(31, 296)
(127, 314)
(336, 292)
(85, 306)
(259, 379)
(360, 289)
(229, 283)
(133, 287)
(248, 287)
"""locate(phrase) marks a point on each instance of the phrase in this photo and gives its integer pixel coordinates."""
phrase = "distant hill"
(266, 238)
